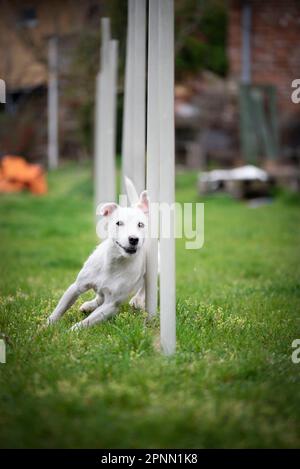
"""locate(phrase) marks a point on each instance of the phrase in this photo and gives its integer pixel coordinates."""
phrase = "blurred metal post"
(53, 102)
(246, 43)
(105, 118)
(153, 156)
(133, 146)
(167, 174)
(2, 92)
(2, 351)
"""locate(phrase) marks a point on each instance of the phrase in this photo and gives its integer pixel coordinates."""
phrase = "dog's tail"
(131, 191)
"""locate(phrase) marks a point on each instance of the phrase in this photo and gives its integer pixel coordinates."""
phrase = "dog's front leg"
(66, 301)
(103, 312)
(138, 300)
(90, 306)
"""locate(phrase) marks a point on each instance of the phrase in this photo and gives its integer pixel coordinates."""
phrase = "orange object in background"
(16, 174)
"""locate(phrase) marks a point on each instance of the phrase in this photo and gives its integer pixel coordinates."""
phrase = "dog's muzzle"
(133, 241)
(129, 249)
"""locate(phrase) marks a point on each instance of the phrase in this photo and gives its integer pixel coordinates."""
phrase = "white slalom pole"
(100, 116)
(53, 103)
(97, 142)
(133, 148)
(167, 174)
(110, 155)
(128, 92)
(139, 96)
(105, 119)
(153, 156)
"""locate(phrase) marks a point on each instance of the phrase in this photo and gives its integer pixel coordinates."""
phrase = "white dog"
(116, 269)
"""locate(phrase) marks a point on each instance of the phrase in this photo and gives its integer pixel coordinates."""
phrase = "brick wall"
(275, 46)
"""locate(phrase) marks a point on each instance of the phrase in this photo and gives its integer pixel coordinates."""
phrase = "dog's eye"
(119, 223)
(141, 225)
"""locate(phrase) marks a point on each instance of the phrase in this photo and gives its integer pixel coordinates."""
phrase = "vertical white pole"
(246, 44)
(100, 117)
(139, 95)
(167, 174)
(105, 118)
(127, 139)
(133, 151)
(97, 142)
(53, 103)
(2, 92)
(153, 156)
(110, 155)
(160, 143)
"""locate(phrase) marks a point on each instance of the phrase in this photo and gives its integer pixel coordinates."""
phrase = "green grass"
(231, 382)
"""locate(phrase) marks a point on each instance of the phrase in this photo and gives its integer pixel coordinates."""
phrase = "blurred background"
(235, 63)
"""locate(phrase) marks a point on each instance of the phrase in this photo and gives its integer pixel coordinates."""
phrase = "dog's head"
(127, 226)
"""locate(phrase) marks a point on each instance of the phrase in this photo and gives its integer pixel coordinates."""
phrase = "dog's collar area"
(130, 250)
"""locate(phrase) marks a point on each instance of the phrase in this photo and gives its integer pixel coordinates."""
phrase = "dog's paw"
(49, 322)
(88, 307)
(137, 302)
(76, 327)
(85, 307)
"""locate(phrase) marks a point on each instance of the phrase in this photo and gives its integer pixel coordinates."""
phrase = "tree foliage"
(201, 29)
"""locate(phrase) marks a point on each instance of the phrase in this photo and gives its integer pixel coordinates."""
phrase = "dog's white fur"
(116, 269)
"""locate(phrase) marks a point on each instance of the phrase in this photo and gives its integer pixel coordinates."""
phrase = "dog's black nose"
(133, 240)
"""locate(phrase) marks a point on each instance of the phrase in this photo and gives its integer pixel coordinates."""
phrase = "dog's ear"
(106, 209)
(143, 202)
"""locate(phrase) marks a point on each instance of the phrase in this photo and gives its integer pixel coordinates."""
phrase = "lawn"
(231, 383)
